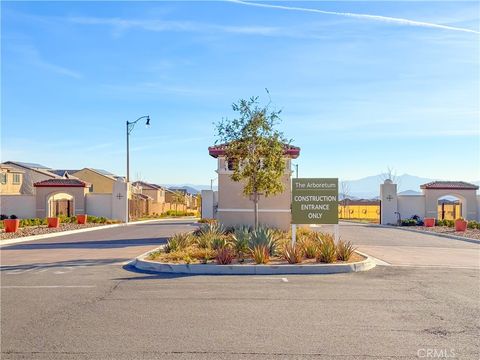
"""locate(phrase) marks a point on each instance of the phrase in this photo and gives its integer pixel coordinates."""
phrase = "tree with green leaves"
(255, 148)
(178, 198)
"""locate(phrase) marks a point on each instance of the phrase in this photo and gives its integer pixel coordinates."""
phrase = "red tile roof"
(449, 185)
(219, 150)
(61, 182)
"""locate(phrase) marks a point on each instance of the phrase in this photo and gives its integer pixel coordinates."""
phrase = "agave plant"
(220, 242)
(178, 242)
(204, 241)
(326, 250)
(224, 256)
(263, 236)
(293, 253)
(212, 229)
(241, 237)
(260, 254)
(344, 250)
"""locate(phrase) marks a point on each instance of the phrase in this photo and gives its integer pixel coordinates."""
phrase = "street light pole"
(130, 126)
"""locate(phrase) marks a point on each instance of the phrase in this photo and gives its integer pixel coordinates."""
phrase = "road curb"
(448, 236)
(79, 231)
(406, 228)
(142, 263)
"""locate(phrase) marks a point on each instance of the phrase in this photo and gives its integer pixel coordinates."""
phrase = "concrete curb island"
(78, 231)
(142, 263)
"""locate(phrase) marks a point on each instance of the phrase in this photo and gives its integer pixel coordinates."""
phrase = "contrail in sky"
(386, 19)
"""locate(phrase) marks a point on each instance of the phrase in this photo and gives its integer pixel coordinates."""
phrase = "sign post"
(314, 201)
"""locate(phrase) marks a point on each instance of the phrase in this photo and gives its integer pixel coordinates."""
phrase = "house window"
(3, 178)
(90, 189)
(232, 164)
(16, 178)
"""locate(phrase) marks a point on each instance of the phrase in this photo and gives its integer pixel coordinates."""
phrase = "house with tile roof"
(32, 173)
(101, 181)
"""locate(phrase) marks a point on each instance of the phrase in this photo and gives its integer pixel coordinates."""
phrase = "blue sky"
(359, 94)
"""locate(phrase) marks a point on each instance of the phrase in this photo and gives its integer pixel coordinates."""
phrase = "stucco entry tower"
(236, 209)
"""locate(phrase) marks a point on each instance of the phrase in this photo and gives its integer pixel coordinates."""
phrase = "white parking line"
(271, 278)
(376, 260)
(19, 271)
(47, 286)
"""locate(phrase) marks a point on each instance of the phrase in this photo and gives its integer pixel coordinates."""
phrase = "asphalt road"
(400, 247)
(55, 306)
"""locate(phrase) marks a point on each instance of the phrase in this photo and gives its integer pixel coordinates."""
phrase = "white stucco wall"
(409, 205)
(21, 205)
(478, 207)
(468, 199)
(99, 205)
(207, 204)
(389, 198)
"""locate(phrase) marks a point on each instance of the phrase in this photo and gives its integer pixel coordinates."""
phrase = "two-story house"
(101, 181)
(11, 180)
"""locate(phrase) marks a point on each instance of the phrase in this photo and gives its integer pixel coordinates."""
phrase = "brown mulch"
(469, 233)
(43, 229)
(273, 261)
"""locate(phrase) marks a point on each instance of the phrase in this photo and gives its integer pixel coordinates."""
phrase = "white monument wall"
(99, 205)
(21, 205)
(409, 205)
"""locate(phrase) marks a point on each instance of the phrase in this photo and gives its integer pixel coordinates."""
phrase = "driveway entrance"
(406, 248)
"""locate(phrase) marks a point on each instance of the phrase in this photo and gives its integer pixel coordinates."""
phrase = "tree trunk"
(255, 209)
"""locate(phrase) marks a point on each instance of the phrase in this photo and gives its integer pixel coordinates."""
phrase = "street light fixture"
(130, 126)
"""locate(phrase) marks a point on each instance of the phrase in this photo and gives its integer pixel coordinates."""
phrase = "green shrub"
(409, 222)
(344, 250)
(204, 241)
(293, 253)
(207, 221)
(260, 254)
(326, 249)
(241, 238)
(224, 256)
(179, 213)
(309, 246)
(263, 236)
(212, 229)
(178, 242)
(472, 224)
(220, 243)
(449, 223)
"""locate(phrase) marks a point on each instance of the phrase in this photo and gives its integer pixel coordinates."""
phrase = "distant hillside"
(369, 187)
(191, 188)
(364, 188)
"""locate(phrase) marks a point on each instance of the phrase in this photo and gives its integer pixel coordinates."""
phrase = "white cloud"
(386, 19)
(120, 24)
(32, 56)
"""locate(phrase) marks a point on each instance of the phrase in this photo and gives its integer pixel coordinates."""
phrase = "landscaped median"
(242, 251)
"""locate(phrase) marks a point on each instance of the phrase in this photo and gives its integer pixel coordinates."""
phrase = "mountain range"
(364, 188)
